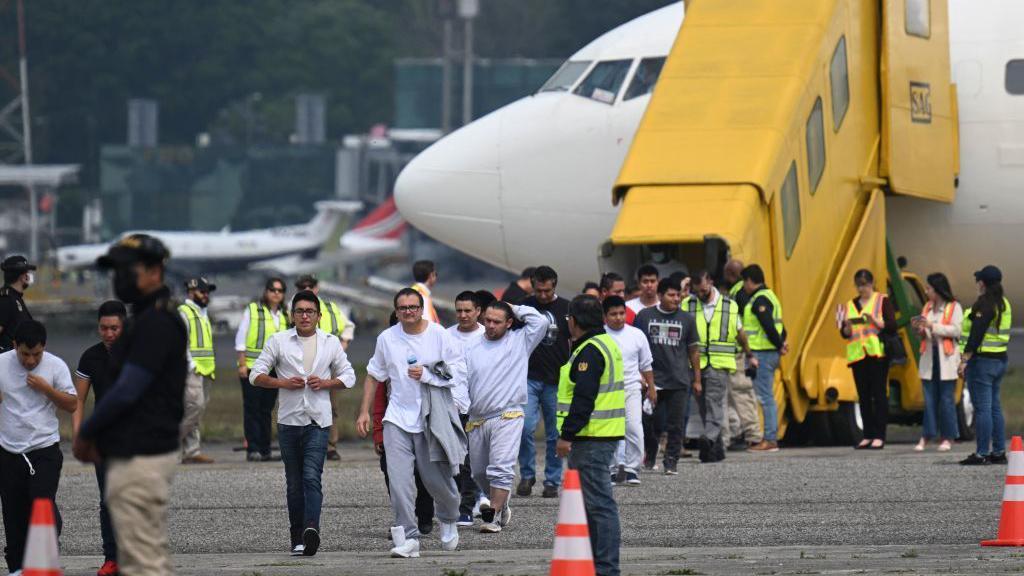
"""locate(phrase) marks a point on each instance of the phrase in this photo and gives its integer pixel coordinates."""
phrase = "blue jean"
(984, 378)
(541, 398)
(303, 451)
(591, 458)
(939, 409)
(764, 387)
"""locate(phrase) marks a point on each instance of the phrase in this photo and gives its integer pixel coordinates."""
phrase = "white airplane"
(531, 183)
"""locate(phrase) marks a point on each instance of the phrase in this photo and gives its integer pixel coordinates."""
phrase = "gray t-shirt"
(671, 335)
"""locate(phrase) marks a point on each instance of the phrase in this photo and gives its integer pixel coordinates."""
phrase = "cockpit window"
(645, 77)
(566, 76)
(604, 81)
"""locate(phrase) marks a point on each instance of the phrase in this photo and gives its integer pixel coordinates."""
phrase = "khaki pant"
(743, 414)
(197, 396)
(138, 490)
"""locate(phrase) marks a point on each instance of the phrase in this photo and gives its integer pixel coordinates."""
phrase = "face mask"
(30, 279)
(126, 285)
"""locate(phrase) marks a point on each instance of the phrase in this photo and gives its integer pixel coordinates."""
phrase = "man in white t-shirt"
(33, 384)
(647, 279)
(424, 364)
(638, 371)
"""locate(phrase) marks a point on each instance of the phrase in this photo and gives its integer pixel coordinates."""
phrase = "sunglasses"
(276, 290)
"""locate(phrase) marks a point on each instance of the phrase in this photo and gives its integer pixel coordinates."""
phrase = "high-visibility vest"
(997, 338)
(735, 290)
(756, 336)
(428, 304)
(608, 420)
(717, 338)
(261, 328)
(965, 330)
(200, 340)
(332, 319)
(864, 340)
(947, 319)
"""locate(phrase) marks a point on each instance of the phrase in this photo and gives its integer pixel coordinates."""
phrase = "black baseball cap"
(134, 248)
(16, 264)
(200, 283)
(306, 280)
(989, 275)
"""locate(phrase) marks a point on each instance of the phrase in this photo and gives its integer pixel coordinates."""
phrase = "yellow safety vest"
(332, 319)
(756, 336)
(608, 420)
(965, 330)
(997, 338)
(735, 290)
(717, 339)
(863, 340)
(200, 340)
(428, 302)
(261, 328)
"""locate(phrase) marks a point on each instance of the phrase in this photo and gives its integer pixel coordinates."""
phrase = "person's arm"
(131, 384)
(260, 376)
(380, 407)
(765, 313)
(535, 325)
(82, 385)
(348, 334)
(889, 325)
(693, 347)
(64, 400)
(980, 322)
(586, 373)
(188, 339)
(451, 353)
(363, 422)
(344, 376)
(240, 334)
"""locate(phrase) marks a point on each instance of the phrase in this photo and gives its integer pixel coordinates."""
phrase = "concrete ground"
(799, 511)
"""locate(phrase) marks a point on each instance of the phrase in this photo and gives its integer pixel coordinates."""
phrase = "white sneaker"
(490, 527)
(449, 536)
(945, 446)
(410, 548)
(506, 515)
(298, 550)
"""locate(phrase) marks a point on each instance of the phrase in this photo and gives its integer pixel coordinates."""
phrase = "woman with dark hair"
(862, 321)
(939, 329)
(984, 365)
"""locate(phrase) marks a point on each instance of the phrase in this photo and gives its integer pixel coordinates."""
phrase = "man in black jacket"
(135, 427)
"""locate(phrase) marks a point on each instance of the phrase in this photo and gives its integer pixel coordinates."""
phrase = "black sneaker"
(975, 460)
(253, 457)
(426, 527)
(487, 514)
(310, 541)
(738, 445)
(997, 458)
(705, 450)
(615, 479)
(525, 487)
(650, 463)
(670, 469)
(550, 491)
(333, 455)
(620, 476)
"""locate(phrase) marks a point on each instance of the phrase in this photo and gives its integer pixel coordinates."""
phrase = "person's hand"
(316, 383)
(363, 425)
(785, 349)
(961, 370)
(753, 361)
(37, 383)
(378, 449)
(697, 388)
(652, 396)
(562, 448)
(293, 383)
(85, 450)
(416, 372)
(243, 372)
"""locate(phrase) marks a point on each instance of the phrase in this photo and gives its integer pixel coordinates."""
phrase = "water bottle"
(411, 359)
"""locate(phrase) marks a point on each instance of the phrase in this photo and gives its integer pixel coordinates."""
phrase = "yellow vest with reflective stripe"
(997, 338)
(965, 330)
(200, 340)
(735, 290)
(261, 328)
(332, 319)
(864, 340)
(756, 336)
(608, 420)
(717, 339)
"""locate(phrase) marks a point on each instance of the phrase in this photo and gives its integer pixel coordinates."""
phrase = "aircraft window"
(1015, 77)
(604, 81)
(645, 77)
(790, 210)
(815, 146)
(840, 81)
(918, 18)
(566, 76)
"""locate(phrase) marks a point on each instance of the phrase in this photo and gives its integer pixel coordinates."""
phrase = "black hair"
(586, 311)
(306, 296)
(544, 274)
(940, 284)
(590, 286)
(646, 270)
(991, 300)
(666, 284)
(677, 278)
(503, 306)
(754, 273)
(270, 284)
(468, 296)
(863, 276)
(408, 292)
(527, 273)
(11, 276)
(613, 301)
(609, 279)
(484, 297)
(699, 276)
(422, 270)
(112, 308)
(30, 333)
(393, 318)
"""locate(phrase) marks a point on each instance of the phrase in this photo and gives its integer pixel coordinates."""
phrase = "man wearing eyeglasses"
(309, 363)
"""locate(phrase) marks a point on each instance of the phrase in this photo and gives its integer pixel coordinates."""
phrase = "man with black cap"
(201, 366)
(333, 321)
(18, 277)
(135, 427)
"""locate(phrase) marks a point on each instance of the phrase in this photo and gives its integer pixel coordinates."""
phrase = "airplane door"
(918, 120)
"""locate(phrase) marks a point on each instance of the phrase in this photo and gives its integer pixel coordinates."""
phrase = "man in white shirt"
(467, 331)
(647, 279)
(418, 357)
(638, 369)
(496, 369)
(308, 363)
(33, 384)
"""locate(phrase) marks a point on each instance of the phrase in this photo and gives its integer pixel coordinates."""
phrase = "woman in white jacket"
(939, 329)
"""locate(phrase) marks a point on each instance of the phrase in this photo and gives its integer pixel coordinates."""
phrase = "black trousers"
(669, 415)
(257, 412)
(106, 525)
(19, 487)
(872, 378)
(424, 501)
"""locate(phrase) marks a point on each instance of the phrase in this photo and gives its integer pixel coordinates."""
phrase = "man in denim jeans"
(542, 384)
(762, 324)
(309, 363)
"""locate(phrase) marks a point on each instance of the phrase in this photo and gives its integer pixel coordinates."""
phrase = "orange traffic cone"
(572, 555)
(1011, 522)
(41, 557)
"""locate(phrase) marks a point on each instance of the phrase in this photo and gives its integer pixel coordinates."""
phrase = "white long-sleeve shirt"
(464, 339)
(496, 369)
(636, 353)
(243, 327)
(284, 353)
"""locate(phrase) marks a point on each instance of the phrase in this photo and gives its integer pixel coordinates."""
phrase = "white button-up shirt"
(283, 354)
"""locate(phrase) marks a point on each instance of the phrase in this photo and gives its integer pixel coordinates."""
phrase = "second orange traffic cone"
(572, 555)
(41, 556)
(1011, 522)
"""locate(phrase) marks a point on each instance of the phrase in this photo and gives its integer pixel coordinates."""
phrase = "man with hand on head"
(308, 363)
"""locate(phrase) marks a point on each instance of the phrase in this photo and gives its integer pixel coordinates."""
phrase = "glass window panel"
(645, 77)
(840, 82)
(790, 210)
(918, 18)
(604, 81)
(1015, 77)
(566, 76)
(815, 146)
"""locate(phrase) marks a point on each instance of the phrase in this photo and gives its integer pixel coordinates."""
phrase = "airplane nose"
(452, 190)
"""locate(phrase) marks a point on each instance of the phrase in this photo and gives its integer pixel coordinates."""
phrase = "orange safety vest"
(864, 339)
(947, 319)
(428, 304)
